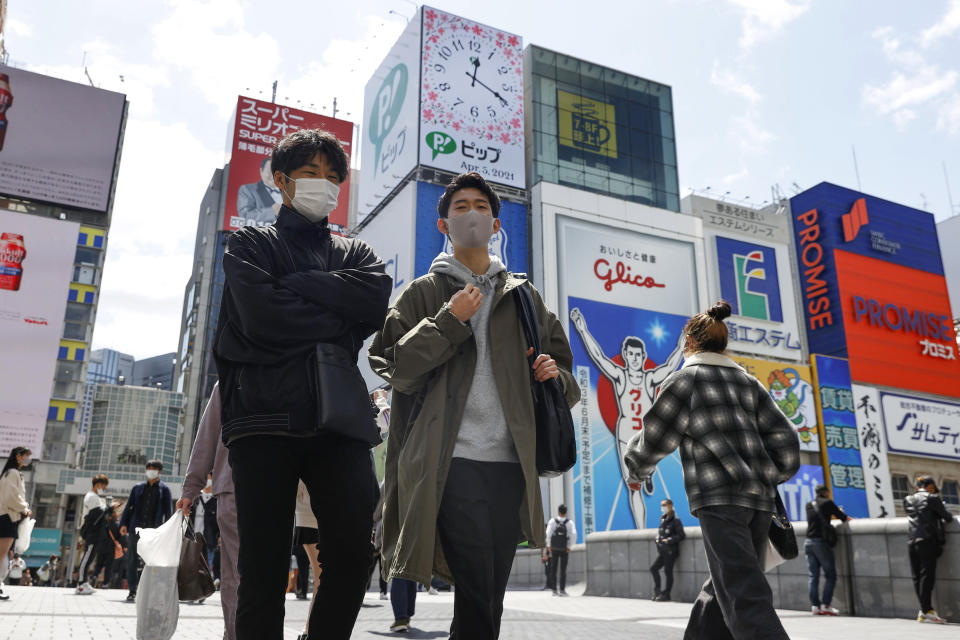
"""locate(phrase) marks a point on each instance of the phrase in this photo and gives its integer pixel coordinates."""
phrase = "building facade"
(155, 372)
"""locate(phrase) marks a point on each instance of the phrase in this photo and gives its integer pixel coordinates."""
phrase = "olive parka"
(428, 356)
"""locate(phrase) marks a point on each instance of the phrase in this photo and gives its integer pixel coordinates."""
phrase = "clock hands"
(476, 67)
(480, 82)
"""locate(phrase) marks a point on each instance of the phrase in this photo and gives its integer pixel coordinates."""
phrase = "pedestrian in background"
(461, 465)
(306, 536)
(13, 505)
(93, 530)
(818, 547)
(148, 506)
(561, 534)
(926, 537)
(112, 549)
(736, 447)
(669, 536)
(17, 567)
(48, 571)
(292, 290)
(403, 601)
(208, 454)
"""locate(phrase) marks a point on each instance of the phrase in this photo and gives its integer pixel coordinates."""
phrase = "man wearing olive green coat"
(461, 486)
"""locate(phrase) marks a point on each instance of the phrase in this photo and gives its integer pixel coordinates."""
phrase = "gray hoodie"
(483, 432)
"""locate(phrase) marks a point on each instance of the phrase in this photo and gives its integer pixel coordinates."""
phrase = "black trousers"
(736, 601)
(133, 561)
(558, 561)
(666, 558)
(338, 473)
(479, 528)
(923, 566)
(303, 569)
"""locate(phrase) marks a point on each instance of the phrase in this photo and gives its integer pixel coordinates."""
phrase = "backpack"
(558, 540)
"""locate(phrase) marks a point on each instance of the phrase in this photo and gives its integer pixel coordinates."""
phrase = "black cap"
(820, 488)
(923, 481)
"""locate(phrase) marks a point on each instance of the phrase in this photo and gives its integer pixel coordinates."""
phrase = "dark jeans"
(133, 562)
(338, 473)
(666, 558)
(820, 555)
(403, 598)
(923, 566)
(558, 559)
(736, 601)
(479, 527)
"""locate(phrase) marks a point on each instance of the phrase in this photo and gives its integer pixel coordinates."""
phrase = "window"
(950, 492)
(901, 486)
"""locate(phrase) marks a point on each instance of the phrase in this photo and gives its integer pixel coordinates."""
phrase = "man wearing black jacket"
(292, 289)
(821, 538)
(669, 537)
(926, 536)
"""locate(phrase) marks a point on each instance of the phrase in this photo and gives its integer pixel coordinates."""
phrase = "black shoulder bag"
(782, 536)
(556, 438)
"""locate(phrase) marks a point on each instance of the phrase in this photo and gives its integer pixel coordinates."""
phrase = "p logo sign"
(749, 279)
(855, 220)
(439, 142)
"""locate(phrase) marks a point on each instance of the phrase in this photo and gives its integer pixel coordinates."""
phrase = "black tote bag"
(556, 438)
(782, 536)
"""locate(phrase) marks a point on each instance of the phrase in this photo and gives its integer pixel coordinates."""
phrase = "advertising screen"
(625, 297)
(36, 264)
(920, 426)
(471, 99)
(390, 120)
(799, 490)
(58, 139)
(791, 387)
(841, 441)
(252, 197)
(899, 334)
(509, 244)
(827, 217)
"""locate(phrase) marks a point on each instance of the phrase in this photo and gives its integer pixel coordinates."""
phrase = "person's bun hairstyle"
(708, 330)
(720, 311)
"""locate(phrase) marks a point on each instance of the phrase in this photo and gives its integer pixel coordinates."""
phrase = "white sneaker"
(383, 596)
(931, 616)
(827, 610)
(815, 610)
(433, 591)
(85, 590)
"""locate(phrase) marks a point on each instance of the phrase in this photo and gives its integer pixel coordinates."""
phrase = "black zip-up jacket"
(926, 517)
(290, 286)
(826, 509)
(671, 532)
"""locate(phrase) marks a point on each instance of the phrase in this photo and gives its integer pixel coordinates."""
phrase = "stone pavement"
(38, 613)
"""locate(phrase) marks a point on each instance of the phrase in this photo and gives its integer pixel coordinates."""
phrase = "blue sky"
(765, 92)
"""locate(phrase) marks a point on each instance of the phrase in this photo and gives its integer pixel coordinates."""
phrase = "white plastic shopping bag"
(158, 606)
(24, 531)
(771, 558)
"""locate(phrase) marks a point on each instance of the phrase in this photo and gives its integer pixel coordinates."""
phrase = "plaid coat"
(735, 443)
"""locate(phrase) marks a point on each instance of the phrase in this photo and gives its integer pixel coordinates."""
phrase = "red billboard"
(252, 198)
(899, 329)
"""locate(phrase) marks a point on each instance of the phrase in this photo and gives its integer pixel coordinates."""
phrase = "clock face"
(471, 98)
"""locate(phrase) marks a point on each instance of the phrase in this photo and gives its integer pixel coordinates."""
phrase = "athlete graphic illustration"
(635, 388)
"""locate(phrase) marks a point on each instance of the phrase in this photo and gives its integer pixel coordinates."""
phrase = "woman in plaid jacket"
(736, 447)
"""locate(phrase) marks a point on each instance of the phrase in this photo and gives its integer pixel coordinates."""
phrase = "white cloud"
(902, 117)
(729, 82)
(948, 118)
(763, 19)
(946, 26)
(18, 28)
(208, 40)
(906, 90)
(164, 172)
(750, 136)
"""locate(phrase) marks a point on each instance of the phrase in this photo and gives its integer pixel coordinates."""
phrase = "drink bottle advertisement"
(36, 265)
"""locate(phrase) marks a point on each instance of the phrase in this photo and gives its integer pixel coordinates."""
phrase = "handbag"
(24, 532)
(556, 437)
(782, 536)
(194, 581)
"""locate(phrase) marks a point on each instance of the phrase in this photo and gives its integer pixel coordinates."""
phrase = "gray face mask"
(471, 230)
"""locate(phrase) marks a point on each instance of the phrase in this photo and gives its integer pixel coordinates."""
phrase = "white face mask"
(152, 474)
(25, 461)
(664, 510)
(100, 492)
(471, 230)
(314, 198)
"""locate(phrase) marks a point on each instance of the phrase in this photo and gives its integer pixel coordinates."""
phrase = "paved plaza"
(35, 613)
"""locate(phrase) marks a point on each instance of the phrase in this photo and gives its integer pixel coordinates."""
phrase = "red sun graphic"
(607, 397)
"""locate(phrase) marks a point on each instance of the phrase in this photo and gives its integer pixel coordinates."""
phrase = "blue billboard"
(828, 217)
(840, 441)
(510, 244)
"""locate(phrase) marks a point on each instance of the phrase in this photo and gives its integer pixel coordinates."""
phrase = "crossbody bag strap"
(528, 319)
